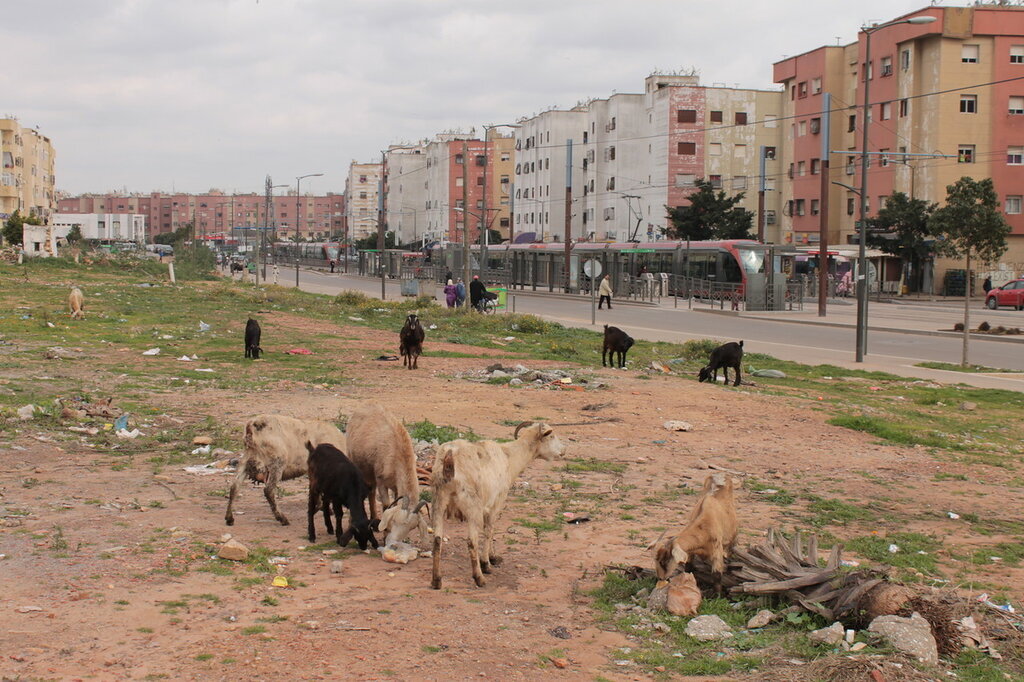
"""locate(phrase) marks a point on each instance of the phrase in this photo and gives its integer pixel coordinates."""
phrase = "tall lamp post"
(381, 208)
(298, 199)
(862, 258)
(487, 227)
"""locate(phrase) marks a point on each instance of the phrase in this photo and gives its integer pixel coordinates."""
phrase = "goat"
(725, 356)
(274, 452)
(76, 303)
(380, 446)
(252, 339)
(472, 480)
(709, 534)
(334, 481)
(410, 341)
(615, 341)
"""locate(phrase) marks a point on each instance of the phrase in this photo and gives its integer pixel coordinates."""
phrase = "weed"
(916, 552)
(834, 512)
(428, 431)
(580, 464)
(204, 657)
(254, 630)
(269, 601)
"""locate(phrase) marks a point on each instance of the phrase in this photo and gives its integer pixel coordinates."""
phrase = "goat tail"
(447, 467)
(310, 448)
(741, 343)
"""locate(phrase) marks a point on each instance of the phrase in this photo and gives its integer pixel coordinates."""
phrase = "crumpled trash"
(202, 450)
(768, 373)
(204, 370)
(203, 327)
(433, 326)
(124, 433)
(298, 351)
(279, 581)
(222, 466)
(953, 515)
(572, 517)
(660, 366)
(27, 412)
(386, 358)
(151, 351)
(121, 423)
(399, 553)
(356, 319)
(893, 548)
(185, 358)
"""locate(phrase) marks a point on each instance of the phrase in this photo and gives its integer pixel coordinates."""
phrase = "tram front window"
(751, 259)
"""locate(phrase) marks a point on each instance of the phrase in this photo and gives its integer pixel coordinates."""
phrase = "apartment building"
(454, 185)
(103, 227)
(362, 188)
(500, 159)
(217, 213)
(938, 112)
(405, 192)
(27, 180)
(635, 154)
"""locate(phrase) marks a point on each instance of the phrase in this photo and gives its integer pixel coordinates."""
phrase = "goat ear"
(679, 554)
(546, 433)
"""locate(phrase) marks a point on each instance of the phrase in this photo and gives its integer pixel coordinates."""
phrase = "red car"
(1010, 294)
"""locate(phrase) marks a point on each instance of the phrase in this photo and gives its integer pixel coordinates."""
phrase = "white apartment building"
(362, 188)
(405, 196)
(103, 227)
(540, 173)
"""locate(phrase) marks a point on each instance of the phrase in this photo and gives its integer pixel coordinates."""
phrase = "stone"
(658, 600)
(337, 565)
(968, 406)
(708, 628)
(683, 595)
(857, 646)
(226, 537)
(29, 609)
(202, 440)
(399, 553)
(912, 636)
(26, 412)
(561, 632)
(761, 619)
(560, 662)
(515, 381)
(676, 425)
(233, 550)
(520, 369)
(831, 635)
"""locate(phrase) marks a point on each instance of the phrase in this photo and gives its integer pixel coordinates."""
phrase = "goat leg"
(737, 370)
(311, 513)
(229, 518)
(326, 502)
(473, 523)
(439, 512)
(270, 492)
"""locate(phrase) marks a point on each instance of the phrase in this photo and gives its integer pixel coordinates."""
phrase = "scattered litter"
(27, 412)
(185, 358)
(766, 491)
(767, 373)
(29, 609)
(298, 351)
(433, 326)
(953, 515)
(893, 548)
(166, 336)
(656, 442)
(50, 324)
(92, 431)
(995, 558)
(219, 467)
(849, 562)
(277, 560)
(203, 327)
(356, 319)
(121, 423)
(204, 370)
(660, 366)
(279, 581)
(125, 433)
(875, 388)
(151, 351)
(386, 358)
(675, 425)
(509, 338)
(399, 553)
(202, 450)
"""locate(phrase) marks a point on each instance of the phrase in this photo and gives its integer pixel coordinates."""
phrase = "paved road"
(909, 336)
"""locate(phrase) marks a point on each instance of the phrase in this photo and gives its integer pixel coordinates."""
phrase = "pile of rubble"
(520, 375)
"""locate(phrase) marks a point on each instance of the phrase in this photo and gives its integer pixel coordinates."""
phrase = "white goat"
(472, 480)
(76, 304)
(380, 446)
(275, 451)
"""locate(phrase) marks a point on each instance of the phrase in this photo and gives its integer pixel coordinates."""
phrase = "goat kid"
(618, 342)
(710, 533)
(410, 341)
(725, 356)
(334, 481)
(76, 304)
(472, 480)
(252, 339)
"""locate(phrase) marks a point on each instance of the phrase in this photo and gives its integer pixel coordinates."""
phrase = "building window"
(771, 121)
(505, 156)
(716, 116)
(802, 128)
(1016, 105)
(769, 217)
(904, 107)
(968, 104)
(739, 182)
(741, 118)
(815, 206)
(480, 160)
(883, 158)
(685, 180)
(716, 181)
(801, 89)
(800, 207)
(1017, 54)
(458, 158)
(686, 148)
(886, 110)
(362, 178)
(965, 153)
(815, 166)
(851, 205)
(816, 85)
(1015, 156)
(852, 125)
(815, 126)
(480, 180)
(851, 164)
(458, 182)
(886, 66)
(969, 54)
(715, 149)
(769, 184)
(1013, 204)
(611, 184)
(905, 60)
(739, 151)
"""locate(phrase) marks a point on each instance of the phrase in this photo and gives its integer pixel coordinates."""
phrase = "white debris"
(125, 433)
(151, 351)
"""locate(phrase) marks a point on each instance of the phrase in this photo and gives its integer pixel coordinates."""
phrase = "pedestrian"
(476, 292)
(449, 294)
(332, 265)
(605, 291)
(277, 271)
(987, 285)
(460, 292)
(448, 275)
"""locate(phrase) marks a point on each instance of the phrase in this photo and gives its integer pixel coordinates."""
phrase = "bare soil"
(112, 558)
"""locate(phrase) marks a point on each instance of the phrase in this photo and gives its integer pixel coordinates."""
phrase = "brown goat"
(709, 534)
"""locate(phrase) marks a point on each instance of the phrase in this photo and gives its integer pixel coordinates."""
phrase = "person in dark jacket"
(460, 293)
(987, 285)
(476, 292)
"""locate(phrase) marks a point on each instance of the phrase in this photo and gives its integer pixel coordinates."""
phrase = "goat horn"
(419, 505)
(397, 500)
(521, 427)
(658, 541)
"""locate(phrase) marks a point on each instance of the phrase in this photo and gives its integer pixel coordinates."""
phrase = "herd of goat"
(374, 459)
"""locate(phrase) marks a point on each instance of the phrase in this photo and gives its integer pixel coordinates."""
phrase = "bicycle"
(488, 306)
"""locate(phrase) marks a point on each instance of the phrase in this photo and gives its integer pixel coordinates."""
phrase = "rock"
(519, 369)
(515, 381)
(560, 632)
(708, 628)
(399, 553)
(496, 367)
(857, 646)
(29, 609)
(658, 600)
(761, 619)
(912, 636)
(233, 550)
(223, 538)
(497, 374)
(661, 627)
(831, 635)
(337, 565)
(683, 595)
(202, 440)
(675, 425)
(560, 662)
(968, 406)
(27, 412)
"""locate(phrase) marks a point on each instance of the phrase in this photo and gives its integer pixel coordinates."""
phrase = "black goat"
(334, 481)
(615, 341)
(252, 339)
(410, 341)
(725, 356)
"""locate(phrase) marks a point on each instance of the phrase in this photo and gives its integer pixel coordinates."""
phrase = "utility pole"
(823, 205)
(486, 234)
(466, 270)
(760, 197)
(568, 212)
(380, 224)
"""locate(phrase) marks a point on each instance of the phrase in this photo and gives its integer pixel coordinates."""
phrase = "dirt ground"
(103, 567)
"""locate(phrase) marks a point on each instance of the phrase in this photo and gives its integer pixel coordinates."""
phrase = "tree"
(970, 224)
(369, 242)
(74, 234)
(710, 215)
(904, 226)
(14, 229)
(493, 237)
(179, 235)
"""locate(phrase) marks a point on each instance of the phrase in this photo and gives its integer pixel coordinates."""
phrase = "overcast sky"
(194, 94)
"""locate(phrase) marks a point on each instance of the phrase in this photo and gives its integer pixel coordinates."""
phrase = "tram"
(314, 253)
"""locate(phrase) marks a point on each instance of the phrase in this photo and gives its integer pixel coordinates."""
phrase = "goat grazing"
(725, 356)
(410, 341)
(472, 480)
(334, 481)
(252, 339)
(618, 342)
(709, 534)
(76, 304)
(380, 446)
(275, 452)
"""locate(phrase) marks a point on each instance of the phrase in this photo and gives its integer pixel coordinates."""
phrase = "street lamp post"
(487, 227)
(298, 199)
(862, 257)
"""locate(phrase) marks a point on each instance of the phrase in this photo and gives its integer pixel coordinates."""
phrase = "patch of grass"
(1009, 553)
(275, 618)
(950, 367)
(269, 601)
(428, 431)
(580, 464)
(145, 631)
(943, 476)
(427, 648)
(834, 512)
(890, 430)
(254, 630)
(779, 497)
(204, 657)
(908, 556)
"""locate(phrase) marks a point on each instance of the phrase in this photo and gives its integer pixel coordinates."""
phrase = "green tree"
(370, 241)
(970, 224)
(14, 229)
(493, 237)
(711, 215)
(74, 234)
(175, 237)
(901, 229)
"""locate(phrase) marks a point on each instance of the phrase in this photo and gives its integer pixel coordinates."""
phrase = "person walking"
(460, 292)
(449, 294)
(605, 291)
(476, 292)
(987, 285)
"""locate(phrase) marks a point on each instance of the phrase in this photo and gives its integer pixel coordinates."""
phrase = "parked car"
(1010, 294)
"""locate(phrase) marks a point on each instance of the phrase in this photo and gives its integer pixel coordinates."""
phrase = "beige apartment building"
(26, 184)
(361, 191)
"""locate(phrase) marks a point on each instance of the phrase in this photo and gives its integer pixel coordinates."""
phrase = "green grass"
(835, 512)
(908, 556)
(950, 367)
(890, 430)
(580, 464)
(254, 630)
(428, 431)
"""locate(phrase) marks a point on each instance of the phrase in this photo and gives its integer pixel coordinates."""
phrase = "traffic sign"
(592, 268)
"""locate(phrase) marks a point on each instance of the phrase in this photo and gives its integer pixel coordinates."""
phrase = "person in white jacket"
(605, 292)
